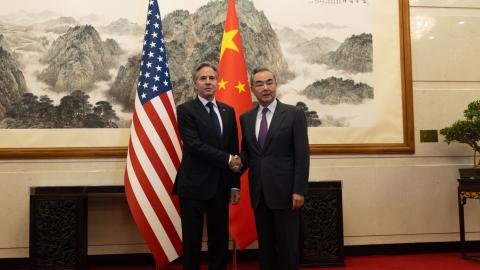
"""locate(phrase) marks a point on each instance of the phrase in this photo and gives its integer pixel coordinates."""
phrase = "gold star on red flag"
(222, 84)
(241, 87)
(227, 41)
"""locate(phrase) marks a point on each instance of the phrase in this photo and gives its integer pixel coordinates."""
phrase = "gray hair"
(202, 65)
(258, 70)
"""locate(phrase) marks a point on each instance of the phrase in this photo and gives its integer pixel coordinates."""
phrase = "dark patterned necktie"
(262, 133)
(215, 120)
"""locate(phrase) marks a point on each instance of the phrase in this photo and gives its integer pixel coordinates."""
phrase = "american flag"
(154, 151)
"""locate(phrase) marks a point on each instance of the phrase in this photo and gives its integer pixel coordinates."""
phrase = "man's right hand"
(235, 164)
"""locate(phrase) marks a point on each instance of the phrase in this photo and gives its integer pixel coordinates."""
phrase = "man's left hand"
(297, 201)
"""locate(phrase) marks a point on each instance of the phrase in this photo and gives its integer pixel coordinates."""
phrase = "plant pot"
(469, 173)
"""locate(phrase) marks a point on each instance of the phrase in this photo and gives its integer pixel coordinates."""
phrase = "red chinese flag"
(233, 89)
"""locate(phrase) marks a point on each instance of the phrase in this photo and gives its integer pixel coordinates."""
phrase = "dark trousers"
(278, 234)
(192, 214)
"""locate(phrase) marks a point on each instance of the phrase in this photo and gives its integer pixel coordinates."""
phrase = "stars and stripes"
(154, 152)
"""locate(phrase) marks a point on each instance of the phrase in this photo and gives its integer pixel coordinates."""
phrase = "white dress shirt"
(269, 115)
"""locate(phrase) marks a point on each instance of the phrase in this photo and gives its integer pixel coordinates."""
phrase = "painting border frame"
(63, 152)
(405, 147)
(408, 144)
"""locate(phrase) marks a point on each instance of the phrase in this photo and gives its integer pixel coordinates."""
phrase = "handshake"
(235, 164)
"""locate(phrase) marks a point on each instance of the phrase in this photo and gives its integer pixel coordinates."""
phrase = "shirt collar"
(271, 107)
(204, 101)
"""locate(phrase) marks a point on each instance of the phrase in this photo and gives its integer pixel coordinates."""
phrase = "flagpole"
(234, 255)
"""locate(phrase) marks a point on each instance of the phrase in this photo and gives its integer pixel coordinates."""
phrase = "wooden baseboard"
(409, 248)
(14, 263)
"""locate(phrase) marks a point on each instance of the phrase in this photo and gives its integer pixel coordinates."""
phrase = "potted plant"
(467, 131)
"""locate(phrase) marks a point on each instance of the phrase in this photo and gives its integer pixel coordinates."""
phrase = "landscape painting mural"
(60, 60)
(69, 69)
(74, 64)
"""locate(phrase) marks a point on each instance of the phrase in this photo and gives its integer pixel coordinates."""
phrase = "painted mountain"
(50, 62)
(192, 38)
(12, 81)
(79, 58)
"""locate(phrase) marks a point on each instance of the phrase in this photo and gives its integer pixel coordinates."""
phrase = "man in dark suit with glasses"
(275, 149)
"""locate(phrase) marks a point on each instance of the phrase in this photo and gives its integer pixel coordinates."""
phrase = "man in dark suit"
(204, 182)
(275, 149)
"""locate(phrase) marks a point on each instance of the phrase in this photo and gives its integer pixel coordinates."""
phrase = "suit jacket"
(281, 168)
(205, 155)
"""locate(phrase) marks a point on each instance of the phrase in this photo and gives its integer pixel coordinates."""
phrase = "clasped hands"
(235, 164)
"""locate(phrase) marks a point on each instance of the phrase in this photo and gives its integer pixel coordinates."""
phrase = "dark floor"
(439, 261)
(435, 261)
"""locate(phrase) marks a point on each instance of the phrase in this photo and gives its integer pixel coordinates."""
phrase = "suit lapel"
(202, 112)
(274, 124)
(251, 121)
(224, 116)
(205, 117)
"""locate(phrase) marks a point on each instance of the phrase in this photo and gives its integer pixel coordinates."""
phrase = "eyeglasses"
(260, 84)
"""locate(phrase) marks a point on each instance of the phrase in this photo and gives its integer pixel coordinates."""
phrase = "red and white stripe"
(153, 159)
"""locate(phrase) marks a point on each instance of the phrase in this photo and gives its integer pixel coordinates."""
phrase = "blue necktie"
(215, 120)
(262, 133)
